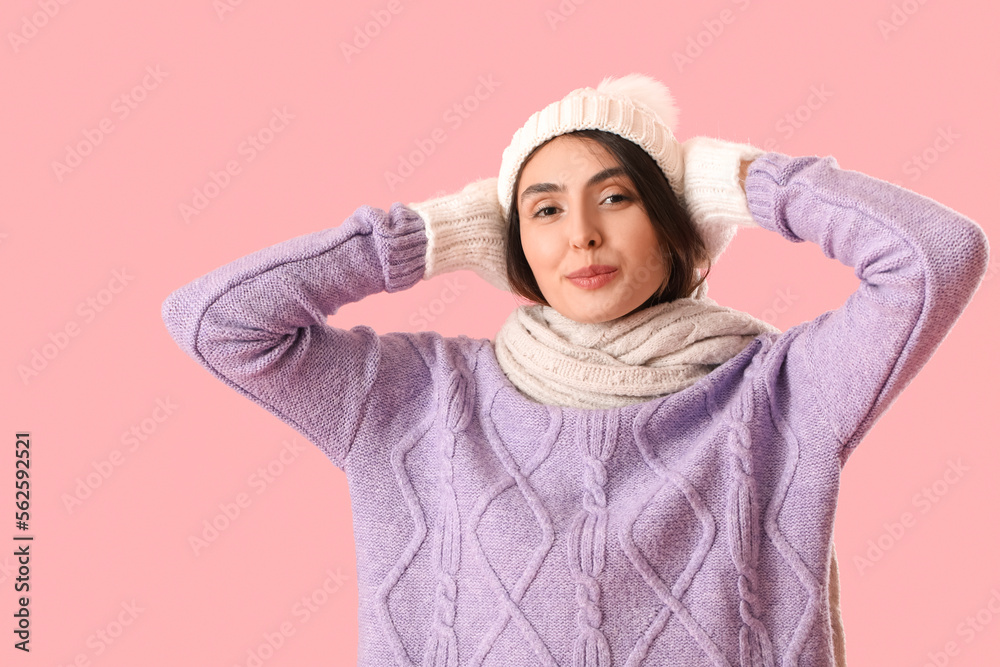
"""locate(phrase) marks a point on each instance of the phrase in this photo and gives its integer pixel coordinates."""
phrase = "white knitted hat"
(635, 106)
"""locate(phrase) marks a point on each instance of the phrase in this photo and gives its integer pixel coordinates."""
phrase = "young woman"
(630, 473)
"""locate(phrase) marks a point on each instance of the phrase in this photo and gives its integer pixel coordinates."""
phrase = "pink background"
(887, 95)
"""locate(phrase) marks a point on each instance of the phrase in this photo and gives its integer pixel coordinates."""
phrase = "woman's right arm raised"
(259, 322)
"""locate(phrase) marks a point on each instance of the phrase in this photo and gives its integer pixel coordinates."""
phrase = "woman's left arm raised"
(919, 263)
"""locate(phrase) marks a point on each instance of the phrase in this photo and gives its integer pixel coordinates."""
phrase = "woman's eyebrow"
(602, 175)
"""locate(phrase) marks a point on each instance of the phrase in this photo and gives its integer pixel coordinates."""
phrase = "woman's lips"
(594, 282)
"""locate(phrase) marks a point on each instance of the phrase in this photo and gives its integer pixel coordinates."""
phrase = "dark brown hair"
(680, 244)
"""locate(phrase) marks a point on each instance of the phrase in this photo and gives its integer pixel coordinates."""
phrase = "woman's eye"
(537, 214)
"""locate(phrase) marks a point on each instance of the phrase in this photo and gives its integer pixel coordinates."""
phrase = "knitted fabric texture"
(656, 351)
(635, 106)
(555, 360)
(467, 229)
(642, 110)
(712, 193)
(692, 529)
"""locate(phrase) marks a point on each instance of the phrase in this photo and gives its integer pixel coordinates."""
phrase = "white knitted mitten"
(712, 193)
(466, 230)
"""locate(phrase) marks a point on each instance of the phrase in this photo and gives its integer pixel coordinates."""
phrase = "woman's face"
(574, 215)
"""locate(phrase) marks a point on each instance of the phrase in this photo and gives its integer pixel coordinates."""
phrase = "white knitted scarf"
(635, 358)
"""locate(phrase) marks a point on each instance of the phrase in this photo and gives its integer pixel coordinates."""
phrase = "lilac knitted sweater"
(693, 529)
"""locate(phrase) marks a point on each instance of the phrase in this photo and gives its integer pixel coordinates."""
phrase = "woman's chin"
(591, 310)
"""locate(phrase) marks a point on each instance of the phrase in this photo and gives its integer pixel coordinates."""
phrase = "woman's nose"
(584, 232)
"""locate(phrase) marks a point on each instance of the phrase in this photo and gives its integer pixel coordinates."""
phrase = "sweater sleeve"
(919, 263)
(259, 322)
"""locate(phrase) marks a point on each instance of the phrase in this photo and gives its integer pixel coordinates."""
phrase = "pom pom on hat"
(643, 88)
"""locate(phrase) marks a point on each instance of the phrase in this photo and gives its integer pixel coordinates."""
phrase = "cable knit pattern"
(692, 529)
(596, 436)
(744, 521)
(670, 480)
(509, 599)
(442, 648)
